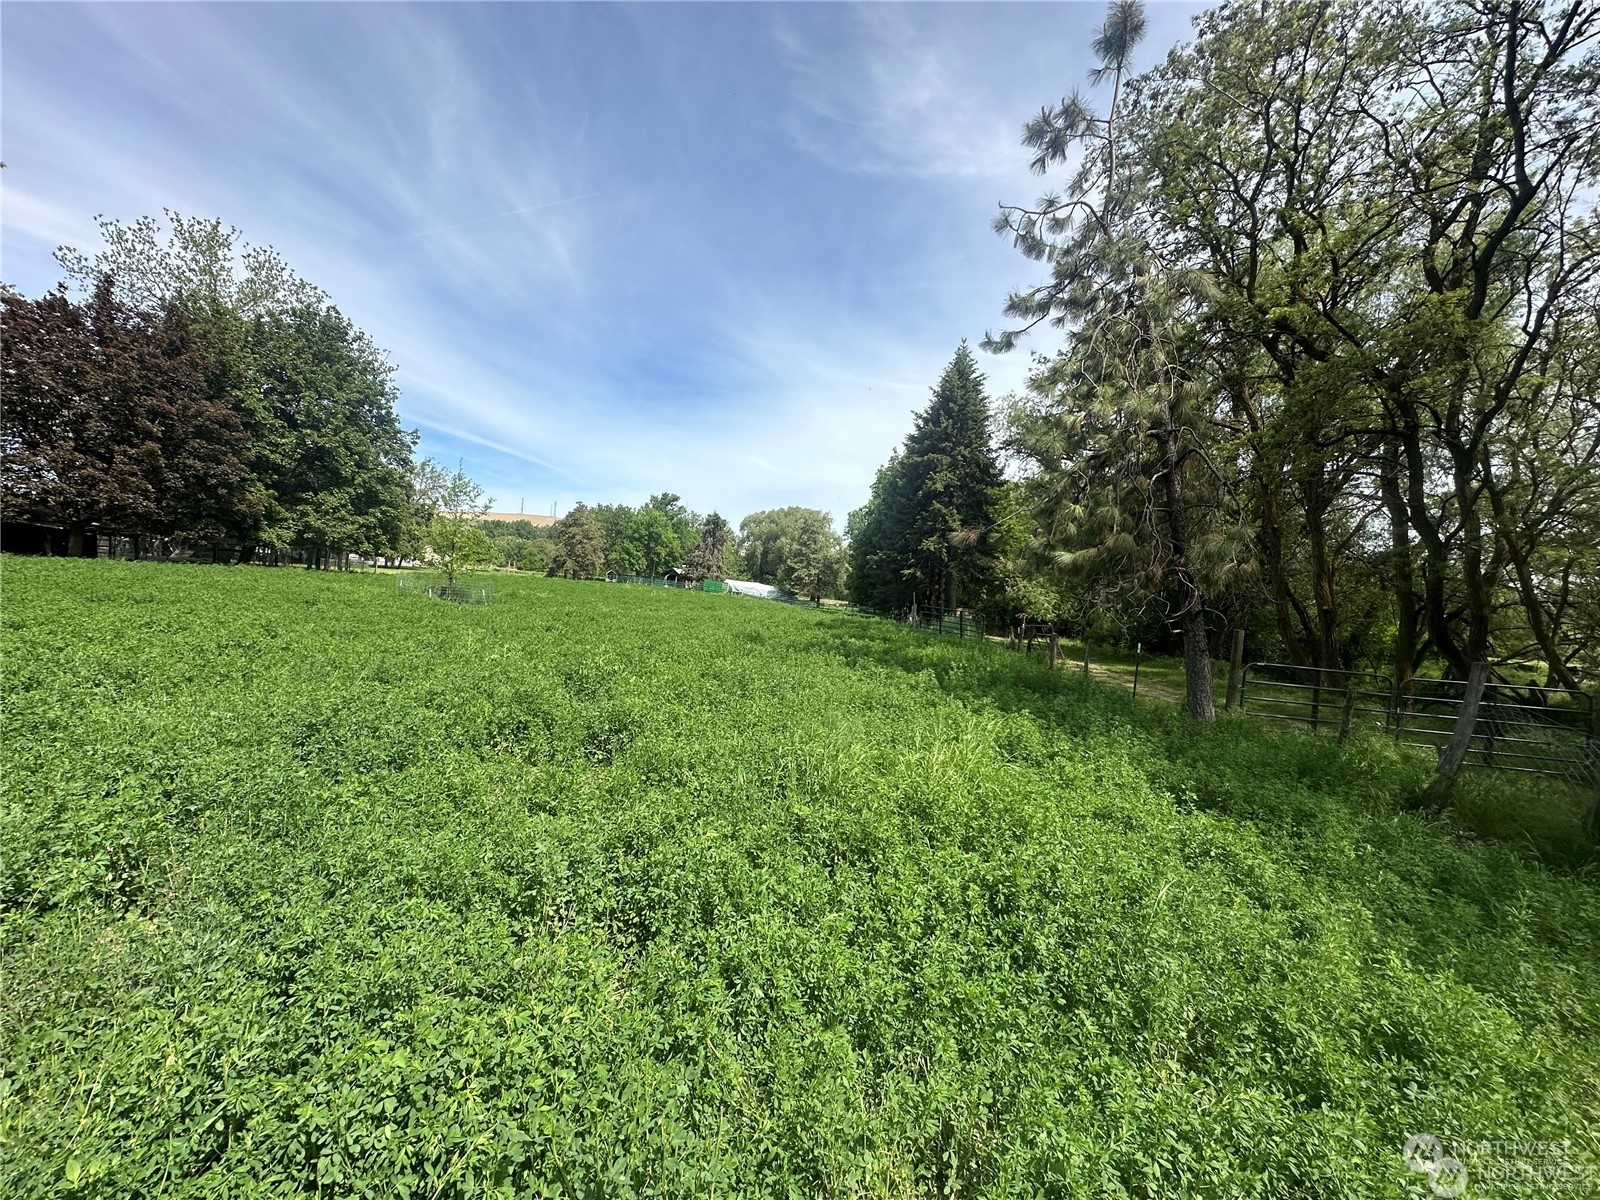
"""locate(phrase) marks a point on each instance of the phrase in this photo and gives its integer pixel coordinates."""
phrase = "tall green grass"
(312, 888)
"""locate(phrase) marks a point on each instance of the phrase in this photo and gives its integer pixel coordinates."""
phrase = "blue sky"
(717, 249)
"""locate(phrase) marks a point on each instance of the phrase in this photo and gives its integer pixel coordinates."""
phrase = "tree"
(580, 545)
(926, 535)
(455, 538)
(706, 559)
(1123, 435)
(649, 543)
(110, 419)
(813, 559)
(684, 522)
(793, 548)
(327, 457)
(952, 476)
(330, 451)
(880, 558)
(196, 262)
(1394, 211)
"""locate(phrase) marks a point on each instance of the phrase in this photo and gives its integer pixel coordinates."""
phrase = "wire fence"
(1540, 731)
(439, 588)
(655, 581)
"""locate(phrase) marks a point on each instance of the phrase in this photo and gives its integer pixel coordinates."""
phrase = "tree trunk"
(1401, 577)
(1196, 635)
(1317, 500)
(1197, 666)
(1436, 554)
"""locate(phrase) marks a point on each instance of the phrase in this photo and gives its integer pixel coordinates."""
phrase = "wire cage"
(437, 587)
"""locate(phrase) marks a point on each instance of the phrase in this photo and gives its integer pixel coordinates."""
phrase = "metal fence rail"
(1539, 731)
(654, 581)
(951, 624)
(1316, 696)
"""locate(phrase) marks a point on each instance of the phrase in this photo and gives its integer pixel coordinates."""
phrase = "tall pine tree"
(926, 536)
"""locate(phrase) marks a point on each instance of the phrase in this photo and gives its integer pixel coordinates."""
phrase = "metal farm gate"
(1542, 731)
(952, 624)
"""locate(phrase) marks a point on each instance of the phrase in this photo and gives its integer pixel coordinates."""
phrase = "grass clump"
(605, 891)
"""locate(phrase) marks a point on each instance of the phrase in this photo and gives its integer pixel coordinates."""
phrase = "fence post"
(1055, 646)
(1086, 658)
(1349, 708)
(1138, 652)
(1235, 669)
(1455, 752)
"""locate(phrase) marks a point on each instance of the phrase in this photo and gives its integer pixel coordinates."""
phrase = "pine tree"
(1126, 487)
(926, 534)
(953, 476)
(706, 559)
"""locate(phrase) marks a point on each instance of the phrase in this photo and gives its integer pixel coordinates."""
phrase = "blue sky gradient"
(717, 249)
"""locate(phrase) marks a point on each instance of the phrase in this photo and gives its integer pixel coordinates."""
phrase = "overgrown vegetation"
(1329, 277)
(312, 888)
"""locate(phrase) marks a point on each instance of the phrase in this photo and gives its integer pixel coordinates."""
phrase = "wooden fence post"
(1349, 708)
(1086, 658)
(1235, 669)
(1055, 646)
(1455, 751)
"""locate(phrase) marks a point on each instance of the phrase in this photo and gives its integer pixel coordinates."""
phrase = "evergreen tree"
(706, 560)
(927, 534)
(953, 478)
(878, 558)
(1123, 492)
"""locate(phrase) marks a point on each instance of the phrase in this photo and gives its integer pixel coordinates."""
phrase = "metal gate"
(1316, 696)
(1541, 731)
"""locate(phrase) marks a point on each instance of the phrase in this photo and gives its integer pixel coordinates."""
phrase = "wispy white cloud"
(885, 93)
(722, 250)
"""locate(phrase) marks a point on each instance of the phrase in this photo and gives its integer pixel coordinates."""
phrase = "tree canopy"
(793, 548)
(1327, 279)
(201, 390)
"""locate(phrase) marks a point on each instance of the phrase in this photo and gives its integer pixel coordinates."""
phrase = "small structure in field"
(746, 587)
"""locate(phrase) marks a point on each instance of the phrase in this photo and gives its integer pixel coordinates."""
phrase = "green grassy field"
(313, 888)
